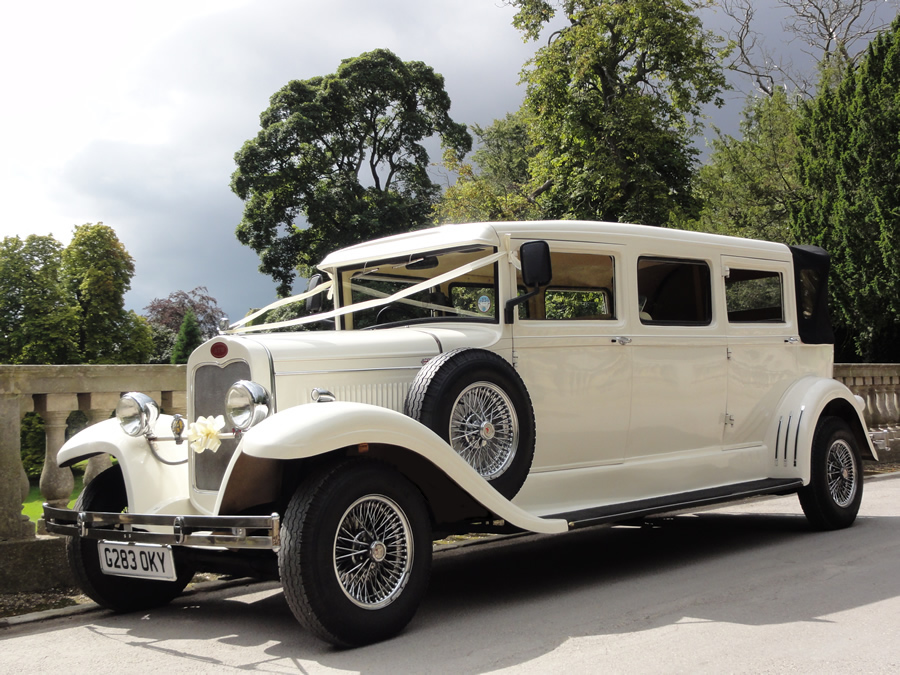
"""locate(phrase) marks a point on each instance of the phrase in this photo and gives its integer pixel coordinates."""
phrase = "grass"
(34, 504)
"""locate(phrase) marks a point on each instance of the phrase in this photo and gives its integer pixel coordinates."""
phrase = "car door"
(762, 346)
(679, 363)
(567, 349)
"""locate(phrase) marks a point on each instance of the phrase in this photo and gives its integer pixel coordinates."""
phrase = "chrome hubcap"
(484, 429)
(373, 552)
(841, 473)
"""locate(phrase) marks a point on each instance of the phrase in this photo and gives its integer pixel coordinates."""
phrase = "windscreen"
(450, 286)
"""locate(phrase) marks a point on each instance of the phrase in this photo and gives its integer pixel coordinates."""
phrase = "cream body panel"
(789, 437)
(307, 431)
(580, 388)
(551, 492)
(678, 395)
(152, 487)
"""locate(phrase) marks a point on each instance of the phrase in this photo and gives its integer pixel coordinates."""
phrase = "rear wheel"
(831, 500)
(106, 493)
(355, 556)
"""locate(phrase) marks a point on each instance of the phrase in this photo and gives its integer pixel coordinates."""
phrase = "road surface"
(740, 589)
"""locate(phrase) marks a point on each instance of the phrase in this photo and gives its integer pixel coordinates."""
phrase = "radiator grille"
(210, 384)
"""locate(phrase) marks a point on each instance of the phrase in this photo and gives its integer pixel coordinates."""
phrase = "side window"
(674, 292)
(582, 288)
(754, 296)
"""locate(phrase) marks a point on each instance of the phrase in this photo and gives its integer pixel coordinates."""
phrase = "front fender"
(317, 428)
(794, 425)
(152, 486)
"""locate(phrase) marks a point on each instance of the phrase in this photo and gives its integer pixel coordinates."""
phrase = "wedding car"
(492, 377)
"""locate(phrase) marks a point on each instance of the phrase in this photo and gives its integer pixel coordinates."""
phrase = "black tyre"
(477, 402)
(106, 493)
(355, 554)
(832, 498)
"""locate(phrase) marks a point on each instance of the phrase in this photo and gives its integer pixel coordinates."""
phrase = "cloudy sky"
(130, 113)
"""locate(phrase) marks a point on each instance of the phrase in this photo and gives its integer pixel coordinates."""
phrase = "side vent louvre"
(386, 395)
(784, 441)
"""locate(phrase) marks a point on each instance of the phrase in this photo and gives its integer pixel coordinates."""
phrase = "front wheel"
(106, 493)
(355, 555)
(833, 496)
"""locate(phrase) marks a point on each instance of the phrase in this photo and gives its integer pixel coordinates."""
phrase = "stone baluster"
(98, 408)
(873, 414)
(14, 484)
(881, 401)
(56, 483)
(893, 407)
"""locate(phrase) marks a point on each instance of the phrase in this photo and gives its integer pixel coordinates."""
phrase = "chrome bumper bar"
(259, 532)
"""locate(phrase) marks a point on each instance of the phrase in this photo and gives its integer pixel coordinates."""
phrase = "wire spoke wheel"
(373, 551)
(831, 499)
(484, 429)
(841, 473)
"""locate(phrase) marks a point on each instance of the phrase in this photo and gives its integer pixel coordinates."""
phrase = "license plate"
(143, 561)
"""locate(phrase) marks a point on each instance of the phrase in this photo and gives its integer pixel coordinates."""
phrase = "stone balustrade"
(879, 386)
(55, 391)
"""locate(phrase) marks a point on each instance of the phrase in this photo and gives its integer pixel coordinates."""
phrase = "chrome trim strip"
(778, 438)
(185, 530)
(352, 370)
(797, 435)
(787, 433)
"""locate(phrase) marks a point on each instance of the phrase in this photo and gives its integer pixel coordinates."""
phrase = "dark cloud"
(168, 197)
(170, 202)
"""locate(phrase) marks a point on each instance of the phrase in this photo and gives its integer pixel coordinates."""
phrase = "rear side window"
(754, 296)
(674, 292)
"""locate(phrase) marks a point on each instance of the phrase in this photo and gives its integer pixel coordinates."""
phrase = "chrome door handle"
(622, 340)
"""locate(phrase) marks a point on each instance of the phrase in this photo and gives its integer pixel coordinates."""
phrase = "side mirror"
(314, 303)
(536, 267)
(537, 271)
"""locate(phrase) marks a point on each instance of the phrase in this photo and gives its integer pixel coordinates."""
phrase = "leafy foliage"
(98, 272)
(495, 186)
(749, 184)
(171, 310)
(342, 152)
(849, 165)
(616, 97)
(188, 339)
(38, 317)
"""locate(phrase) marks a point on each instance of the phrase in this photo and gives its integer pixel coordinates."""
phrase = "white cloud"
(130, 113)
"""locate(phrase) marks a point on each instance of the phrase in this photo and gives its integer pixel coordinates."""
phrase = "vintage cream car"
(493, 377)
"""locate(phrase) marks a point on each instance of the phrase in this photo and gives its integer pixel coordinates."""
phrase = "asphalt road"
(739, 589)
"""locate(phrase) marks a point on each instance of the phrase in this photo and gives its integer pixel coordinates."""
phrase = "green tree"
(189, 338)
(167, 314)
(748, 185)
(343, 153)
(849, 165)
(38, 319)
(170, 311)
(495, 185)
(98, 272)
(616, 97)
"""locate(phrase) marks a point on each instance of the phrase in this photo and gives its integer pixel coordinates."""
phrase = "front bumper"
(233, 532)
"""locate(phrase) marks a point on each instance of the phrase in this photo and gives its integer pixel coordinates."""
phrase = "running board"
(686, 500)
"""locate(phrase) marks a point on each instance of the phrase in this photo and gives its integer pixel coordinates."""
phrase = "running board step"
(646, 507)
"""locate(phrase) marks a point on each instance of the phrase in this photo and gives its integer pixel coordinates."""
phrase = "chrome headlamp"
(137, 413)
(247, 404)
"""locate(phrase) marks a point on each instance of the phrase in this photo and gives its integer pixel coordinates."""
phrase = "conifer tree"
(849, 166)
(189, 338)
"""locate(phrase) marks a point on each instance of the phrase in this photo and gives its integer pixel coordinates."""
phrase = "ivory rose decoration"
(204, 433)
